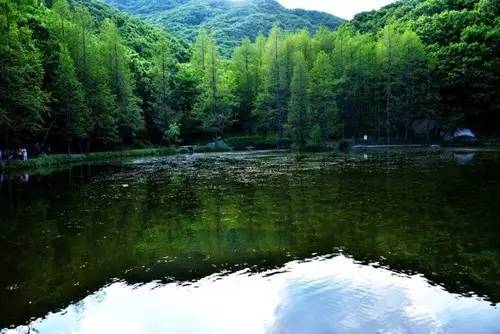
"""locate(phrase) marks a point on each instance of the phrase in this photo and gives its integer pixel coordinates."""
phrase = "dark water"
(371, 242)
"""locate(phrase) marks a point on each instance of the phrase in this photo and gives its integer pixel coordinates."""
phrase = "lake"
(375, 241)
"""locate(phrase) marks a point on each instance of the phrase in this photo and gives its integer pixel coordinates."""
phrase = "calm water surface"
(370, 242)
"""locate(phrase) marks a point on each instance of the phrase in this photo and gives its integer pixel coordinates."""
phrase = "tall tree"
(270, 104)
(298, 122)
(130, 119)
(93, 74)
(389, 61)
(214, 105)
(415, 67)
(260, 49)
(162, 69)
(22, 100)
(184, 94)
(200, 50)
(340, 60)
(244, 63)
(69, 106)
(324, 111)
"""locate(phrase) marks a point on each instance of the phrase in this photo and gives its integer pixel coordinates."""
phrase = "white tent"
(461, 133)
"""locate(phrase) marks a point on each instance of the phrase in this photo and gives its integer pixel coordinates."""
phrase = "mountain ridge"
(230, 21)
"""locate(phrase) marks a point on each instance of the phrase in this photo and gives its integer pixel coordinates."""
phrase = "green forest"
(229, 21)
(81, 76)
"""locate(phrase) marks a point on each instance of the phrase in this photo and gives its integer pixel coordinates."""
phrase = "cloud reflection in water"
(323, 295)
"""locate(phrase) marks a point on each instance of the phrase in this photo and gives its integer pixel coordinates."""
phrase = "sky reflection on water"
(323, 295)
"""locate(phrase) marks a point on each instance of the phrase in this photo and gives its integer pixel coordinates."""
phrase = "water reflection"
(324, 295)
(20, 179)
(464, 157)
(66, 234)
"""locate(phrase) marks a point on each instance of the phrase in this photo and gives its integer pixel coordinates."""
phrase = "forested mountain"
(464, 38)
(229, 20)
(82, 74)
(137, 34)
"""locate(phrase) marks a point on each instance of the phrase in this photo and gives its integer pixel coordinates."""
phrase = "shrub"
(344, 146)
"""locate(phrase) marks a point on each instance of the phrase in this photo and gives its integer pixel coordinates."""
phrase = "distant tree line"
(315, 88)
(463, 36)
(80, 77)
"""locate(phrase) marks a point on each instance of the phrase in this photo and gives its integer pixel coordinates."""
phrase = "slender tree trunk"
(277, 93)
(68, 137)
(387, 114)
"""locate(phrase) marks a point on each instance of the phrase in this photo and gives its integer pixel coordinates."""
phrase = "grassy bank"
(236, 143)
(65, 159)
(56, 160)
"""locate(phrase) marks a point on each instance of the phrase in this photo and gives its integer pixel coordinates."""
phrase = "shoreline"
(57, 160)
(61, 160)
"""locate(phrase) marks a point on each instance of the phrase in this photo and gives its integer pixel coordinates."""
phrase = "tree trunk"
(387, 115)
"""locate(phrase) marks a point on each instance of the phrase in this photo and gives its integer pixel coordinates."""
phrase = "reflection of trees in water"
(89, 229)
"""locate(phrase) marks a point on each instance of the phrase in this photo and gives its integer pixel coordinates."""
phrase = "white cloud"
(336, 295)
(343, 8)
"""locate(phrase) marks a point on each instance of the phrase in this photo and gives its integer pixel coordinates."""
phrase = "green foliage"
(336, 84)
(116, 59)
(463, 38)
(137, 34)
(230, 21)
(96, 71)
(324, 110)
(69, 99)
(22, 99)
(245, 65)
(162, 67)
(298, 122)
(86, 75)
(173, 133)
(213, 107)
(271, 100)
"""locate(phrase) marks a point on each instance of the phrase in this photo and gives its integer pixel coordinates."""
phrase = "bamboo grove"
(76, 80)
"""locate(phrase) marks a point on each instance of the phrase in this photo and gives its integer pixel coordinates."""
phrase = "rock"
(218, 143)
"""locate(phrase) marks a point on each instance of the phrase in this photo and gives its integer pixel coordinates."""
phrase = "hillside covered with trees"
(228, 20)
(82, 76)
(463, 36)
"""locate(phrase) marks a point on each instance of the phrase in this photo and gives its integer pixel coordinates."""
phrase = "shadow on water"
(176, 221)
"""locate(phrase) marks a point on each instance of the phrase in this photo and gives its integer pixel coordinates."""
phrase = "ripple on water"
(322, 295)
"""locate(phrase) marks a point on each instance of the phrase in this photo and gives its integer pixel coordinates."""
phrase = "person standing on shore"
(24, 154)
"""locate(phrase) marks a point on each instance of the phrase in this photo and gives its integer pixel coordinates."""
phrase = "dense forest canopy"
(228, 20)
(81, 76)
(83, 73)
(464, 38)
